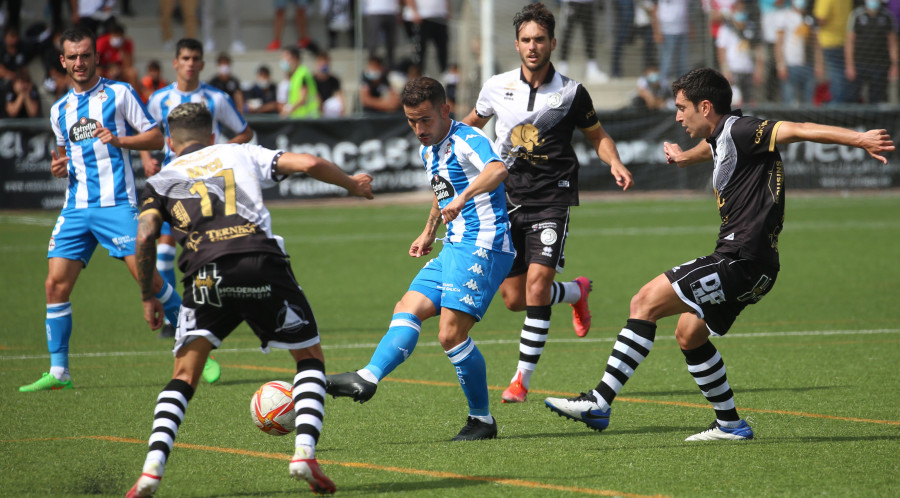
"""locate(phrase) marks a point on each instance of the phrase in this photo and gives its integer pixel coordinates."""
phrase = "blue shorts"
(78, 231)
(463, 277)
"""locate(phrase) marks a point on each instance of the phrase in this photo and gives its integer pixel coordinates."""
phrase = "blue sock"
(165, 263)
(171, 302)
(472, 373)
(59, 330)
(396, 345)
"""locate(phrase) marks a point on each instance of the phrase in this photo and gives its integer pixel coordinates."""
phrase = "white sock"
(487, 419)
(565, 292)
(367, 375)
(61, 373)
(526, 377)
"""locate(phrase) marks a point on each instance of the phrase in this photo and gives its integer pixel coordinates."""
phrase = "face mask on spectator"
(116, 41)
(224, 69)
(740, 16)
(285, 65)
(323, 69)
(800, 4)
(653, 78)
(873, 4)
(373, 74)
(262, 82)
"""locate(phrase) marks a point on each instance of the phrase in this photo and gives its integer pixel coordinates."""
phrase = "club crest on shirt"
(443, 189)
(83, 129)
(102, 96)
(554, 100)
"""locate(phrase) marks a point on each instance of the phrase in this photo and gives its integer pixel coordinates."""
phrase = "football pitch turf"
(813, 367)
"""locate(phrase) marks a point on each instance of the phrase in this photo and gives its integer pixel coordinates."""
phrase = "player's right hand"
(672, 151)
(59, 166)
(422, 246)
(363, 187)
(151, 167)
(154, 313)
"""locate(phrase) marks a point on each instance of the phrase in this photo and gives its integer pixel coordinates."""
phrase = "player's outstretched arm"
(425, 241)
(674, 155)
(151, 139)
(490, 178)
(875, 142)
(359, 185)
(149, 224)
(606, 150)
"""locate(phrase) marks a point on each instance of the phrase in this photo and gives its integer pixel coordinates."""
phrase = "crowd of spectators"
(794, 52)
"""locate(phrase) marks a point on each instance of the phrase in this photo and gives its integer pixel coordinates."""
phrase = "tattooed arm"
(149, 224)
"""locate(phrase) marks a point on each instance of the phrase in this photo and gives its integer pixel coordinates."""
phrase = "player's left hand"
(106, 136)
(59, 166)
(452, 210)
(154, 313)
(622, 176)
(876, 142)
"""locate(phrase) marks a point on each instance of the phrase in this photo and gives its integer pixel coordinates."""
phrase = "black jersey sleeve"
(754, 135)
(583, 109)
(152, 201)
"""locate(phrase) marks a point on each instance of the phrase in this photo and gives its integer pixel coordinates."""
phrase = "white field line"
(372, 345)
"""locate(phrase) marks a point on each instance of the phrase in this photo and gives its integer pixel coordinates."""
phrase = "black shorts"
(539, 236)
(718, 287)
(257, 288)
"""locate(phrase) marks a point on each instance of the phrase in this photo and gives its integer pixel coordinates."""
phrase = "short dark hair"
(189, 122)
(191, 44)
(223, 57)
(705, 84)
(539, 14)
(421, 90)
(264, 69)
(77, 33)
(294, 52)
(154, 65)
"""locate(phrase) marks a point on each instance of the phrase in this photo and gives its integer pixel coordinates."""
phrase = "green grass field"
(813, 366)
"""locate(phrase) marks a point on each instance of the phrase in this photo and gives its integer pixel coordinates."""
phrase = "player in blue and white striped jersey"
(467, 177)
(188, 64)
(94, 123)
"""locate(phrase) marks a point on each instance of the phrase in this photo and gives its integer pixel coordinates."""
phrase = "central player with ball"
(236, 270)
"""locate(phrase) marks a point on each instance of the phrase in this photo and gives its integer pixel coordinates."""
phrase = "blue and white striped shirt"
(220, 105)
(452, 165)
(100, 175)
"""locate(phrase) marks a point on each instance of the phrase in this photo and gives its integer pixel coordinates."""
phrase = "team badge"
(102, 96)
(554, 100)
(548, 236)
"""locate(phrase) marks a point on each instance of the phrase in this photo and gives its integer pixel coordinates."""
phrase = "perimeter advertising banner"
(386, 148)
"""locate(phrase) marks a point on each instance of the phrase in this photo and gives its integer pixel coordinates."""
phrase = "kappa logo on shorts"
(291, 318)
(476, 268)
(471, 284)
(468, 300)
(481, 253)
(708, 290)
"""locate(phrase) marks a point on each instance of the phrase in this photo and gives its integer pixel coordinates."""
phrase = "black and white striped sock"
(565, 292)
(633, 344)
(309, 402)
(169, 413)
(532, 341)
(706, 365)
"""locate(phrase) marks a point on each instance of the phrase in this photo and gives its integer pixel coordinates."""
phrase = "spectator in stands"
(338, 16)
(22, 99)
(581, 13)
(116, 55)
(152, 80)
(188, 16)
(796, 52)
(740, 52)
(651, 93)
(94, 14)
(224, 80)
(671, 30)
(13, 15)
(14, 54)
(331, 98)
(427, 20)
(208, 24)
(380, 18)
(624, 22)
(300, 96)
(643, 30)
(376, 93)
(451, 85)
(262, 97)
(768, 13)
(870, 52)
(831, 17)
(58, 21)
(300, 23)
(55, 79)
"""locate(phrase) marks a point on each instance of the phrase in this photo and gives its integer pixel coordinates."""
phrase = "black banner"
(386, 148)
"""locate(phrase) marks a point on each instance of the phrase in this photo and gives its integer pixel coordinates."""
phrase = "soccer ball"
(272, 408)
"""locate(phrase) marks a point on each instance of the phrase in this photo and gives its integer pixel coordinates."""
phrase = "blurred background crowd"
(355, 55)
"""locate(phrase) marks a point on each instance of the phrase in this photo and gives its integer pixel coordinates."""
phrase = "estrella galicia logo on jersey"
(443, 189)
(525, 138)
(291, 318)
(206, 286)
(83, 129)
